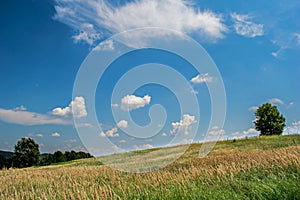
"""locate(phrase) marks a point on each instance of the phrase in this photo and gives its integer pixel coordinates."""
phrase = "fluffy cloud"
(215, 131)
(184, 124)
(114, 131)
(94, 19)
(132, 102)
(202, 78)
(110, 133)
(29, 118)
(102, 134)
(107, 45)
(296, 123)
(243, 26)
(253, 108)
(20, 108)
(56, 134)
(246, 132)
(76, 108)
(122, 124)
(276, 101)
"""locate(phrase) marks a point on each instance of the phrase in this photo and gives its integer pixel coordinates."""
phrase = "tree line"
(27, 154)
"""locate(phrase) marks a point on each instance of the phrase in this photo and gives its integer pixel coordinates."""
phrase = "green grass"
(253, 168)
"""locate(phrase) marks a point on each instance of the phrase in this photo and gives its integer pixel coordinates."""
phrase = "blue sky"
(255, 46)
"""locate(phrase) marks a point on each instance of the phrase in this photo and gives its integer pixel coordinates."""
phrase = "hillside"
(6, 154)
(254, 168)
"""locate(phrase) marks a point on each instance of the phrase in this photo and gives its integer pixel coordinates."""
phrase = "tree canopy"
(269, 121)
(26, 153)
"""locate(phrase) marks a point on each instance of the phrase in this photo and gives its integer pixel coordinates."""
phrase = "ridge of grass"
(253, 168)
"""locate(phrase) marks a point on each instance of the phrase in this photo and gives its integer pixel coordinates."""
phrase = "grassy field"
(254, 168)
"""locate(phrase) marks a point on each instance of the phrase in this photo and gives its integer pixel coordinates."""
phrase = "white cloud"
(107, 45)
(297, 123)
(164, 134)
(86, 37)
(122, 124)
(84, 125)
(202, 78)
(276, 101)
(56, 134)
(250, 130)
(184, 124)
(29, 118)
(246, 132)
(39, 135)
(112, 132)
(253, 108)
(20, 108)
(195, 92)
(76, 108)
(148, 146)
(107, 19)
(115, 105)
(215, 131)
(243, 26)
(102, 134)
(291, 104)
(131, 102)
(284, 42)
(276, 54)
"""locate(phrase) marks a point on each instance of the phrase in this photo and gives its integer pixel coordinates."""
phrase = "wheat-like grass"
(102, 182)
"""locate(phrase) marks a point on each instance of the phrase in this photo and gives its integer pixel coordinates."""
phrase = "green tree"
(26, 153)
(269, 121)
(59, 157)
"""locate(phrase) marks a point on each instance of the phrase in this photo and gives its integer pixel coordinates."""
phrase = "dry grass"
(189, 179)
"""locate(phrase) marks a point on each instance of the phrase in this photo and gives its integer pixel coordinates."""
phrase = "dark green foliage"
(5, 162)
(26, 153)
(59, 157)
(269, 121)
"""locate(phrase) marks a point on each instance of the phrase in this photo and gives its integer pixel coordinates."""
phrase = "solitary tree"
(269, 121)
(26, 153)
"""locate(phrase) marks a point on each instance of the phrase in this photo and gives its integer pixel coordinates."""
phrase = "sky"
(45, 46)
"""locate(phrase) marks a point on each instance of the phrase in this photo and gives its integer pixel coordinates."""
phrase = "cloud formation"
(114, 131)
(246, 132)
(94, 19)
(76, 108)
(243, 26)
(56, 134)
(29, 118)
(216, 131)
(122, 124)
(202, 78)
(253, 108)
(276, 101)
(132, 102)
(184, 124)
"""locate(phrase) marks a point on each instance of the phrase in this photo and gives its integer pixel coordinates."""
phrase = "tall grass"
(256, 173)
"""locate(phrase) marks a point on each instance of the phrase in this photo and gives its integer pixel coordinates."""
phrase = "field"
(254, 168)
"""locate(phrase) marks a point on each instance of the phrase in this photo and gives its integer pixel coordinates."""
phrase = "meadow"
(253, 168)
